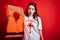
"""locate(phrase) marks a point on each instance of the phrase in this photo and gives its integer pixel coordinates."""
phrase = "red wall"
(48, 10)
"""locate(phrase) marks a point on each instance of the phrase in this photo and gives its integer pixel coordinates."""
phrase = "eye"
(33, 9)
(29, 8)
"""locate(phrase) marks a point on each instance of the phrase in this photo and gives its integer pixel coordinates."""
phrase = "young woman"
(32, 23)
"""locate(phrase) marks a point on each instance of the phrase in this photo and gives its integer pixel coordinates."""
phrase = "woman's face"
(31, 10)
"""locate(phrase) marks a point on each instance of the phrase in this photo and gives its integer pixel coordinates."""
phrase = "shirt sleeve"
(40, 24)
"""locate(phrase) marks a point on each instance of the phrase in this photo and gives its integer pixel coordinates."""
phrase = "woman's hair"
(35, 14)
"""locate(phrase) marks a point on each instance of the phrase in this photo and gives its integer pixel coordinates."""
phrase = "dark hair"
(35, 14)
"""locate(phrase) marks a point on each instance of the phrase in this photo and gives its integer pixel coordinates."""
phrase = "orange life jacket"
(15, 16)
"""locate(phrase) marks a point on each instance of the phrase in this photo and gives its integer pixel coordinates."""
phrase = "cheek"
(33, 11)
(28, 11)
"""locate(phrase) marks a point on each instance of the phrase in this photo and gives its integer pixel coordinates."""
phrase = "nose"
(30, 11)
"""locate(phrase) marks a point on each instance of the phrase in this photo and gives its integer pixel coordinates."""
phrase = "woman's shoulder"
(39, 17)
(25, 17)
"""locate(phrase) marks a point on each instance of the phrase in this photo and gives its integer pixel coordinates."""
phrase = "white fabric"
(32, 33)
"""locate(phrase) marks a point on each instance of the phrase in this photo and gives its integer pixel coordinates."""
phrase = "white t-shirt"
(31, 28)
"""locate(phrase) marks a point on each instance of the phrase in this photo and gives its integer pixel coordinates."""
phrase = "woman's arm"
(41, 35)
(40, 28)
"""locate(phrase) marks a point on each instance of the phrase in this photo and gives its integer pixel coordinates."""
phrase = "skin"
(31, 10)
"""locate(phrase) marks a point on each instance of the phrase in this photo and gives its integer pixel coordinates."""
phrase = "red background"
(48, 10)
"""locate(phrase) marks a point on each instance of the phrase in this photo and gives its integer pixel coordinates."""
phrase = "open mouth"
(30, 13)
